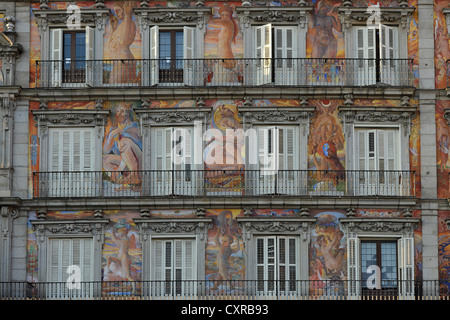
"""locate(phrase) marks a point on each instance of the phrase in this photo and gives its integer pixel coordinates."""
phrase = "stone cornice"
(72, 117)
(375, 114)
(275, 225)
(150, 16)
(82, 227)
(59, 18)
(229, 93)
(282, 115)
(388, 15)
(263, 15)
(404, 226)
(192, 226)
(172, 116)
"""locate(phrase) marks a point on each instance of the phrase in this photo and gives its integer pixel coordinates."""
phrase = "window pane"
(368, 258)
(388, 263)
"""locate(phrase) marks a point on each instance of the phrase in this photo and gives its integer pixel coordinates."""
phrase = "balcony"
(229, 290)
(294, 72)
(220, 183)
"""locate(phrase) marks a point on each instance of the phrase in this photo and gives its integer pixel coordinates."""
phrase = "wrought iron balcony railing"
(157, 183)
(230, 289)
(246, 72)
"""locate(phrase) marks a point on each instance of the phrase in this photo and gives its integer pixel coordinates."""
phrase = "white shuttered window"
(174, 266)
(276, 263)
(65, 252)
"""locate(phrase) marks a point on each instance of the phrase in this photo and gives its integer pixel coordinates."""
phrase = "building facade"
(241, 148)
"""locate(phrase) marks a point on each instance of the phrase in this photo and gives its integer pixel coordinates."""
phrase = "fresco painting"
(442, 149)
(224, 253)
(122, 44)
(122, 146)
(328, 253)
(326, 147)
(223, 41)
(444, 249)
(441, 44)
(122, 149)
(122, 254)
(221, 153)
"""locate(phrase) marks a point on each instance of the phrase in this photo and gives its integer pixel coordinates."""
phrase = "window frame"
(397, 229)
(254, 227)
(47, 20)
(67, 229)
(151, 229)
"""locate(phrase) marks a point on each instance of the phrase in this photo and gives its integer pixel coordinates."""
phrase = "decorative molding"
(288, 15)
(172, 116)
(275, 225)
(272, 115)
(94, 17)
(192, 226)
(83, 227)
(350, 115)
(149, 16)
(78, 117)
(400, 16)
(404, 226)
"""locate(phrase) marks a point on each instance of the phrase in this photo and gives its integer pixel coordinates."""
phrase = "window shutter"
(354, 272)
(174, 260)
(290, 149)
(183, 148)
(365, 53)
(66, 252)
(71, 150)
(90, 45)
(189, 64)
(56, 56)
(158, 259)
(154, 55)
(263, 41)
(405, 249)
(388, 52)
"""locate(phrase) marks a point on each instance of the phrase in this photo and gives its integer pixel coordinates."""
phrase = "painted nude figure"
(325, 43)
(120, 39)
(123, 258)
(123, 148)
(224, 254)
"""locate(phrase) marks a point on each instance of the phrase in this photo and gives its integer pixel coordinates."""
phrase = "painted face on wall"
(119, 11)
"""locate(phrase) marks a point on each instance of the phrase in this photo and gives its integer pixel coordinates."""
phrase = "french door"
(172, 162)
(174, 266)
(276, 264)
(71, 162)
(64, 253)
(377, 162)
(277, 160)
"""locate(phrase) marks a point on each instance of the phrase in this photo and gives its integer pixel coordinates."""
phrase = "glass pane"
(368, 258)
(388, 264)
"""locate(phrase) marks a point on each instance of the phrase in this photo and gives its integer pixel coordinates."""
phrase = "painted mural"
(328, 253)
(441, 44)
(122, 145)
(224, 264)
(122, 44)
(326, 147)
(442, 149)
(223, 42)
(122, 149)
(224, 158)
(444, 250)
